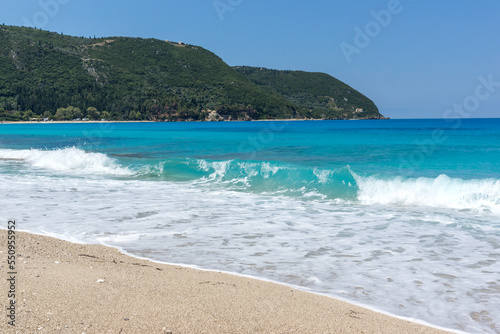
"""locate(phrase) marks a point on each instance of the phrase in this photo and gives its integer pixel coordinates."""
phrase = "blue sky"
(413, 58)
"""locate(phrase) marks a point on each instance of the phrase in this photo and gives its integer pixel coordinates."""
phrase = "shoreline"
(73, 122)
(252, 120)
(56, 276)
(295, 287)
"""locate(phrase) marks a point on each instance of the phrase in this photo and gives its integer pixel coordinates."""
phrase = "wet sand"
(63, 287)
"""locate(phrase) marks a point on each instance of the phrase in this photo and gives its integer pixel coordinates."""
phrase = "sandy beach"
(63, 287)
(71, 122)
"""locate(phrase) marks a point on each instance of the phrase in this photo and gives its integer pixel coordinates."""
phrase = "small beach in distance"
(400, 216)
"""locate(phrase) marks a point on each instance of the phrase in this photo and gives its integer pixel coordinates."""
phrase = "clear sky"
(413, 58)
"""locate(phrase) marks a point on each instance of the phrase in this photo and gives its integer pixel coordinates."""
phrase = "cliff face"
(64, 77)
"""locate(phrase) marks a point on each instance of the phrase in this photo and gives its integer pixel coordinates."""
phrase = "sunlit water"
(402, 216)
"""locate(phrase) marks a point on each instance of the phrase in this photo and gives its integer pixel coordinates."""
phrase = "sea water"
(399, 215)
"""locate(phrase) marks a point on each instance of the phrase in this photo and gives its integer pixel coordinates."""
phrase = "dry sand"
(64, 287)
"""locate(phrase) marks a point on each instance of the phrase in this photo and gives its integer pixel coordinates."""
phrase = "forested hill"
(319, 93)
(46, 74)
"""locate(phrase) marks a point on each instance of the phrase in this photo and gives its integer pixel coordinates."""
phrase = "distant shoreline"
(76, 122)
(253, 120)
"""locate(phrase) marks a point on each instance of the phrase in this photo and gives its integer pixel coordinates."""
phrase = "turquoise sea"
(402, 216)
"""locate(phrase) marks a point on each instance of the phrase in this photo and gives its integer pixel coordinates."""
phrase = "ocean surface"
(402, 216)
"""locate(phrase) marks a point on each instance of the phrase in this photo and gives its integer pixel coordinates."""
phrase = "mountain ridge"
(46, 74)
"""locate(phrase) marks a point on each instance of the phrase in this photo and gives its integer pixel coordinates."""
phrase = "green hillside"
(46, 74)
(319, 94)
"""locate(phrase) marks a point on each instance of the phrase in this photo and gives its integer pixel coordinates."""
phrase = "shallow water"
(399, 215)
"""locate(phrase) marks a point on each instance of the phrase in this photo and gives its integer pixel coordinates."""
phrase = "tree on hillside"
(27, 115)
(60, 114)
(105, 115)
(92, 113)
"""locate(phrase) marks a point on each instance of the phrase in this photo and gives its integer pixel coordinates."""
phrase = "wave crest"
(69, 159)
(442, 191)
(277, 178)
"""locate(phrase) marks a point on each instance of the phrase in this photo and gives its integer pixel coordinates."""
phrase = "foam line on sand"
(64, 287)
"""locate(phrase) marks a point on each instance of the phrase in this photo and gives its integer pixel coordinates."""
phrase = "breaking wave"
(70, 159)
(442, 191)
(275, 178)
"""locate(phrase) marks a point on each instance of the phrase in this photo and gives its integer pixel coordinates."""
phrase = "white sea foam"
(435, 264)
(218, 168)
(443, 191)
(69, 159)
(235, 175)
(267, 170)
(323, 175)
